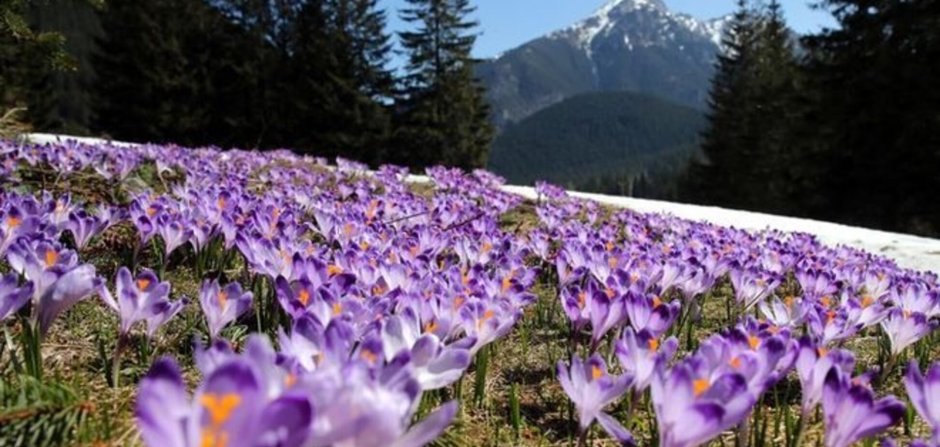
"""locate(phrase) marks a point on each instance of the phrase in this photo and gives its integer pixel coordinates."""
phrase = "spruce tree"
(719, 178)
(444, 115)
(341, 83)
(876, 113)
(152, 85)
(28, 57)
(748, 163)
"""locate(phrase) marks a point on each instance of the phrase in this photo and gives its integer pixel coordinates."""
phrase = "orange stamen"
(754, 342)
(51, 257)
(700, 386)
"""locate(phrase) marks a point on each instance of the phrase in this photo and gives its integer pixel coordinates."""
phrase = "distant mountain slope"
(637, 45)
(594, 136)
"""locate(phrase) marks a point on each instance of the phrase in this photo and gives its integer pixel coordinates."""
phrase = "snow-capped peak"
(610, 14)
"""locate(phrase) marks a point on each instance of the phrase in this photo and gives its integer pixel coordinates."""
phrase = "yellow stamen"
(214, 438)
(51, 257)
(348, 229)
(822, 352)
(609, 246)
(867, 301)
(337, 309)
(582, 298)
(223, 298)
(486, 247)
(13, 222)
(333, 270)
(220, 203)
(826, 301)
(657, 301)
(653, 344)
(612, 262)
(735, 363)
(363, 245)
(220, 408)
(290, 380)
(754, 342)
(151, 211)
(430, 327)
(143, 283)
(831, 315)
(596, 373)
(610, 292)
(486, 316)
(303, 296)
(700, 386)
(507, 283)
(369, 356)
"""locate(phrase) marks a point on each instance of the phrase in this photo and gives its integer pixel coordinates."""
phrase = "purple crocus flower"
(650, 313)
(141, 298)
(41, 262)
(812, 365)
(231, 408)
(691, 410)
(173, 233)
(70, 288)
(788, 312)
(486, 321)
(752, 285)
(591, 388)
(383, 402)
(642, 355)
(13, 225)
(13, 297)
(905, 328)
(816, 284)
(84, 226)
(924, 393)
(435, 365)
(851, 411)
(222, 305)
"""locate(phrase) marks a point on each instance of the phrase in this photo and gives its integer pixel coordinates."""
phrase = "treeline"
(842, 125)
(311, 75)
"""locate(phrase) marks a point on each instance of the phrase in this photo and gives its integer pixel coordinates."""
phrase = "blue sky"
(505, 24)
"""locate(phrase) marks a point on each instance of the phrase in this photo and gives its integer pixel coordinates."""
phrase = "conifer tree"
(152, 84)
(748, 163)
(726, 146)
(876, 113)
(340, 81)
(445, 117)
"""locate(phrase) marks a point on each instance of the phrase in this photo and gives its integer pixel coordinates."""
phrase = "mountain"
(590, 138)
(637, 45)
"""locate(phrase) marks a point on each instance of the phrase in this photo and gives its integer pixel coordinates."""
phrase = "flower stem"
(582, 439)
(116, 361)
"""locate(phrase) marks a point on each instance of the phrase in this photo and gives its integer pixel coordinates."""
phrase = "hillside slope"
(594, 135)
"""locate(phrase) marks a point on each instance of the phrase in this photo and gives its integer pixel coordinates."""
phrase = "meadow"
(166, 296)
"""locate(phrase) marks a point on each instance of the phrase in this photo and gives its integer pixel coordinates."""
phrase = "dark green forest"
(841, 125)
(312, 75)
(595, 139)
